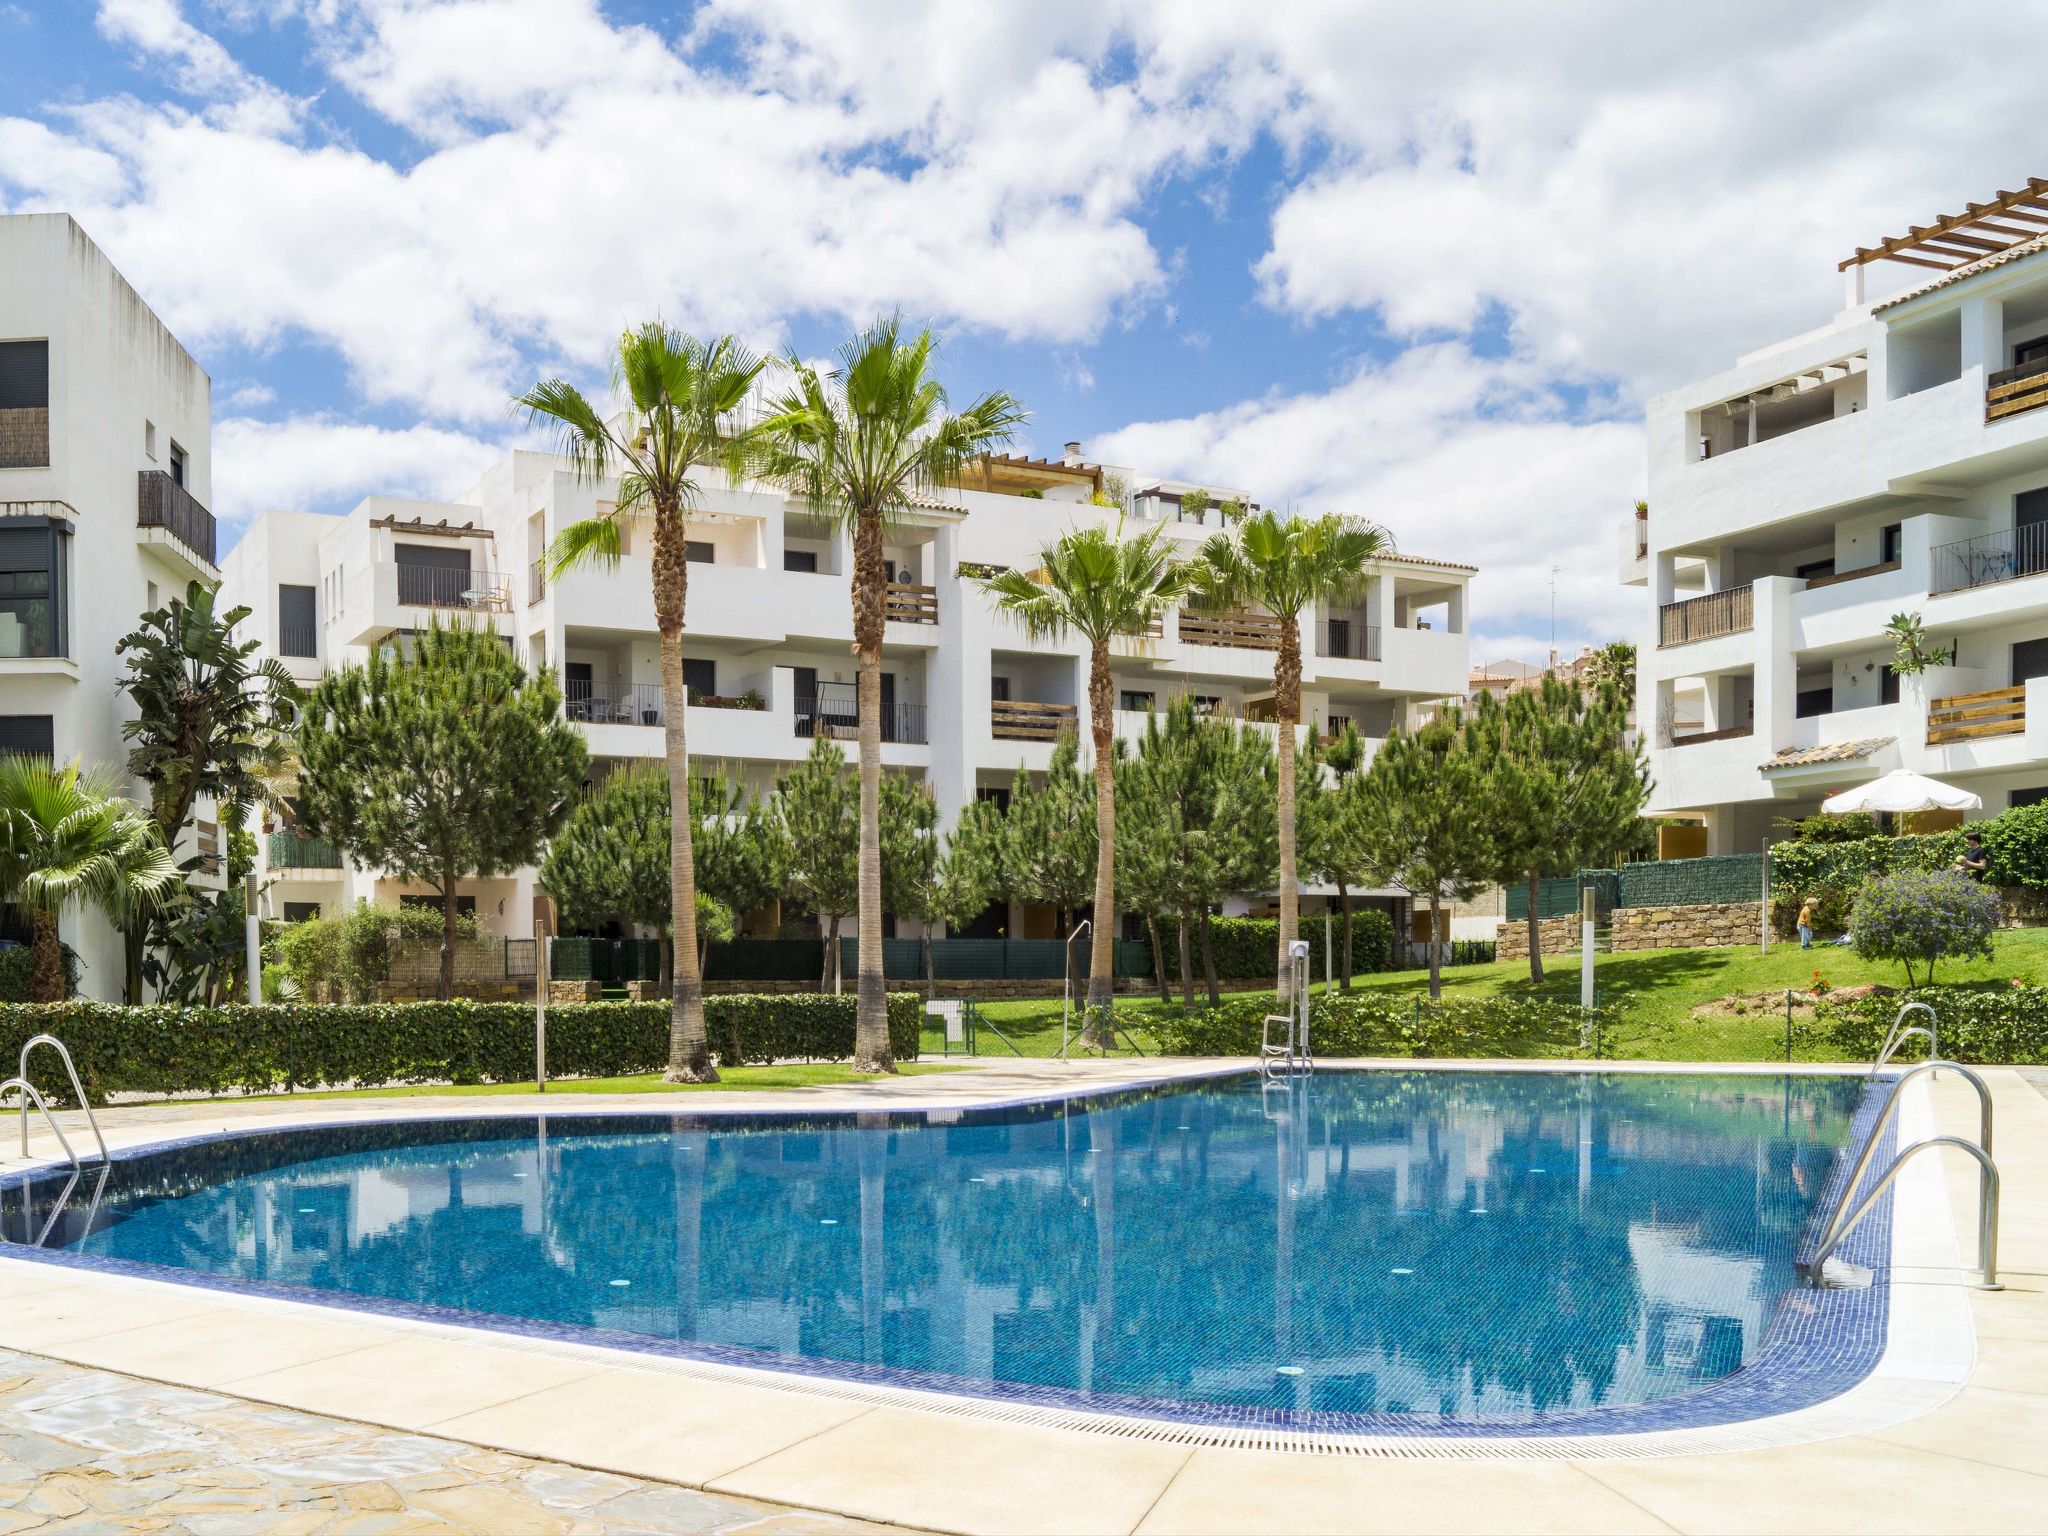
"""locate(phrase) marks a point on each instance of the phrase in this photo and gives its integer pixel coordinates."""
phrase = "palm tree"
(1099, 586)
(676, 396)
(1614, 666)
(1284, 565)
(858, 443)
(69, 838)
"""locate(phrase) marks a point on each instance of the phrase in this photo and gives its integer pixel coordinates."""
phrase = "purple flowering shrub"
(1917, 917)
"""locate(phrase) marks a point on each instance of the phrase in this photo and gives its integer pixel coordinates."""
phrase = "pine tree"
(1335, 809)
(444, 764)
(742, 853)
(1052, 836)
(818, 805)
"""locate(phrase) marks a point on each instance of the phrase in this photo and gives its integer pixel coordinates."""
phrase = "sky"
(1416, 263)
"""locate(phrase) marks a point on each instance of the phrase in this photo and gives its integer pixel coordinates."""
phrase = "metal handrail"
(30, 1091)
(1295, 1056)
(1987, 1208)
(77, 1090)
(1897, 1035)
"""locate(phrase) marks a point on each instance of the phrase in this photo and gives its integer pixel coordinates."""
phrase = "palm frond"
(588, 541)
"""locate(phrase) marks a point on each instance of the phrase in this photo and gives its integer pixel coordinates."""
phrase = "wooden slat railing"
(1733, 733)
(1966, 716)
(1214, 626)
(1023, 720)
(906, 602)
(1813, 582)
(1704, 618)
(2012, 390)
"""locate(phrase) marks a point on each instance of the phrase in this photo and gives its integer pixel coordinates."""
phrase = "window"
(1814, 568)
(994, 795)
(24, 404)
(302, 911)
(2030, 796)
(805, 560)
(698, 551)
(2030, 352)
(178, 464)
(32, 597)
(28, 735)
(149, 438)
(1887, 685)
(999, 690)
(1814, 701)
(1136, 701)
(432, 575)
(1337, 725)
(1890, 543)
(700, 678)
(1208, 704)
(297, 634)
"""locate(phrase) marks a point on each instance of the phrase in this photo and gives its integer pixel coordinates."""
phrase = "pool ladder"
(29, 1092)
(1842, 1217)
(1283, 1058)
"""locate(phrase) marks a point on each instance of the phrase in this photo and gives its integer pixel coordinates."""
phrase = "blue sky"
(1419, 265)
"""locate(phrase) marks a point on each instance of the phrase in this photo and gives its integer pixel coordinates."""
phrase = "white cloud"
(206, 69)
(315, 463)
(1461, 457)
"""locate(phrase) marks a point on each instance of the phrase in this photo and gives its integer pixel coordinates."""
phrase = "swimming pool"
(1431, 1252)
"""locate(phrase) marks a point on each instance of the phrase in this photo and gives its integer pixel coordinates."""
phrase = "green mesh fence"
(1693, 882)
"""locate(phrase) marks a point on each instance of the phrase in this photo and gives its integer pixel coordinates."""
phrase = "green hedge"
(1383, 1026)
(1247, 948)
(2015, 846)
(167, 1049)
(2008, 1025)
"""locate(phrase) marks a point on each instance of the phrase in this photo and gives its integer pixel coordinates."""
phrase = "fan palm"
(68, 839)
(676, 395)
(1284, 565)
(1097, 585)
(858, 443)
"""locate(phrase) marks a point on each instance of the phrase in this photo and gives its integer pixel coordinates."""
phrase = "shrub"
(15, 965)
(165, 1049)
(1917, 918)
(1830, 916)
(1371, 1025)
(1247, 948)
(2006, 1023)
(341, 959)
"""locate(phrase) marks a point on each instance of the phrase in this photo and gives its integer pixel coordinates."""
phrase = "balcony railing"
(1347, 639)
(837, 717)
(292, 850)
(1967, 716)
(433, 586)
(1240, 628)
(1836, 578)
(1704, 618)
(905, 602)
(1024, 720)
(537, 581)
(25, 437)
(614, 703)
(1990, 557)
(163, 503)
(1733, 733)
(2013, 390)
(298, 640)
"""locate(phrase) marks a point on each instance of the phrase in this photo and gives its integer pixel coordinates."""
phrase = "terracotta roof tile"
(1839, 752)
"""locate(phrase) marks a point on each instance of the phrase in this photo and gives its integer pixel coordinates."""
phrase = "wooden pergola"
(1958, 239)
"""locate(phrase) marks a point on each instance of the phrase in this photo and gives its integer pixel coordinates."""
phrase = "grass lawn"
(1661, 988)
(822, 1074)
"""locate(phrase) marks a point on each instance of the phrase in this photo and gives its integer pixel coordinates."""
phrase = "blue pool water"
(1419, 1248)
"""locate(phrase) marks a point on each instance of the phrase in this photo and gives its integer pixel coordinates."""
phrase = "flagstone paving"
(84, 1450)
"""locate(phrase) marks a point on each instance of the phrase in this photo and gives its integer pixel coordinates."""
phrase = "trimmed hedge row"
(2015, 847)
(168, 1049)
(2006, 1025)
(1384, 1026)
(1247, 948)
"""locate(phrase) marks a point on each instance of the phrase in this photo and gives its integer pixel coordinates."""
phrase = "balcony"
(1733, 733)
(1347, 639)
(163, 503)
(614, 703)
(291, 850)
(2010, 391)
(1025, 720)
(25, 437)
(1991, 557)
(1835, 579)
(906, 602)
(1238, 628)
(466, 588)
(836, 717)
(1705, 618)
(1969, 716)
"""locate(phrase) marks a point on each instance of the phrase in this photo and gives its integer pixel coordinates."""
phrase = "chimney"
(1073, 454)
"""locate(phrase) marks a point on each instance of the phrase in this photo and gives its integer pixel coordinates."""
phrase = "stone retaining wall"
(1558, 936)
(1710, 925)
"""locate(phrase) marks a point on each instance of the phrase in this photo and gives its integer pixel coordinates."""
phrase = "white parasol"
(1901, 791)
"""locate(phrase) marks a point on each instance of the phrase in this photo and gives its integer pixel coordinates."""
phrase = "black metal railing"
(163, 503)
(614, 703)
(838, 716)
(433, 586)
(1347, 639)
(298, 640)
(1990, 557)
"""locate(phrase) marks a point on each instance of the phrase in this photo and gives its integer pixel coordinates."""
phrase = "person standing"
(1806, 910)
(1974, 861)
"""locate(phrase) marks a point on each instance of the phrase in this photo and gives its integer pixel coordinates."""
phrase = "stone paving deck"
(92, 1450)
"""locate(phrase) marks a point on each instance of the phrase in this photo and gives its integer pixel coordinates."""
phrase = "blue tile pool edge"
(1819, 1344)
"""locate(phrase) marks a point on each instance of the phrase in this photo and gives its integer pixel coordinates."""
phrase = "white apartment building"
(105, 472)
(969, 701)
(1894, 460)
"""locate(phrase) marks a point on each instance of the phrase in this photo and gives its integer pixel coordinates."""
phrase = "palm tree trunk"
(1158, 957)
(1287, 706)
(1102, 931)
(870, 594)
(46, 969)
(689, 1048)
